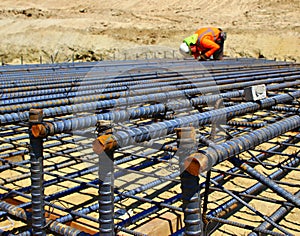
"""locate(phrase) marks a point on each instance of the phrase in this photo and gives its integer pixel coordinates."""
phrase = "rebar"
(218, 153)
(131, 114)
(37, 177)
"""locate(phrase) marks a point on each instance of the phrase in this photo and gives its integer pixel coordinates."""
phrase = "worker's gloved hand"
(202, 57)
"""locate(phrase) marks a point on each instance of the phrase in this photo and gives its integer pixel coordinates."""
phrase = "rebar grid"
(143, 103)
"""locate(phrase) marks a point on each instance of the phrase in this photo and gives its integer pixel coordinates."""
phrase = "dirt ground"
(52, 30)
(60, 30)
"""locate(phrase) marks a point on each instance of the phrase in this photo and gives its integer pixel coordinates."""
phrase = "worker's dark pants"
(218, 55)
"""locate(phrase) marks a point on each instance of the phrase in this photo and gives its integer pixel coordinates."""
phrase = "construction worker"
(204, 43)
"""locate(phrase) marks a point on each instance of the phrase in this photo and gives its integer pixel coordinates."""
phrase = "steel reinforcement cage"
(150, 147)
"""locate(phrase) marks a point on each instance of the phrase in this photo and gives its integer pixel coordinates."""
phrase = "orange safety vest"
(206, 40)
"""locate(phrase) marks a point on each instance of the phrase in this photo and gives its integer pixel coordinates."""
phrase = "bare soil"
(59, 31)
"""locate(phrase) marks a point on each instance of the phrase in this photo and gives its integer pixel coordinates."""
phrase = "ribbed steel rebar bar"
(54, 226)
(186, 142)
(231, 205)
(240, 200)
(222, 210)
(279, 214)
(262, 179)
(218, 153)
(106, 194)
(142, 188)
(136, 135)
(23, 117)
(37, 177)
(91, 98)
(182, 79)
(122, 115)
(66, 75)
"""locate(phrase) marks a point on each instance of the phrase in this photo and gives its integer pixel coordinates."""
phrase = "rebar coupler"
(38, 128)
(197, 163)
(104, 143)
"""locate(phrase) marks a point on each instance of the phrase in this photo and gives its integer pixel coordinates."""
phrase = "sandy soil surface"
(58, 31)
(90, 30)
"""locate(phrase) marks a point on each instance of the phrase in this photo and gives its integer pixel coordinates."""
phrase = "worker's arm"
(196, 54)
(210, 45)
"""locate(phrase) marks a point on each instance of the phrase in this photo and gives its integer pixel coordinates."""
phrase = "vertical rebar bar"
(106, 189)
(191, 203)
(37, 177)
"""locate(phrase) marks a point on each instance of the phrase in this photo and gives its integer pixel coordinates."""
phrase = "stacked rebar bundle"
(104, 148)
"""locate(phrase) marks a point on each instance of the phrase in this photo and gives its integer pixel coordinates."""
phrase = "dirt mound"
(70, 30)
